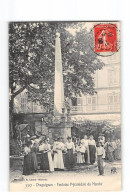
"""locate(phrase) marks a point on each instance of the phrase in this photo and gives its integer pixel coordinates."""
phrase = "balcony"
(95, 109)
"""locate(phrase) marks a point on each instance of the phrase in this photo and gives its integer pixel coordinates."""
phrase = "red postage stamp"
(105, 36)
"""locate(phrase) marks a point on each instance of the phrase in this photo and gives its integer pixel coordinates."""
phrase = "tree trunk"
(11, 110)
(11, 113)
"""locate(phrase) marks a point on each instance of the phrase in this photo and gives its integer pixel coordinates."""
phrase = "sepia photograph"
(64, 106)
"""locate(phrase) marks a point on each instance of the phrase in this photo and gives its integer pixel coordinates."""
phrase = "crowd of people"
(60, 155)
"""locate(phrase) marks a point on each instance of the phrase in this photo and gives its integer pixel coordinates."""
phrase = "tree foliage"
(32, 59)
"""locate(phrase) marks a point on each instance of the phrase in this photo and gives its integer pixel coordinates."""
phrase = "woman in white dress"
(80, 153)
(79, 156)
(58, 155)
(46, 159)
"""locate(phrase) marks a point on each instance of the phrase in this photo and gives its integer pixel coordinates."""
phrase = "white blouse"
(27, 150)
(85, 142)
(82, 148)
(70, 145)
(58, 146)
(44, 147)
(92, 142)
(100, 151)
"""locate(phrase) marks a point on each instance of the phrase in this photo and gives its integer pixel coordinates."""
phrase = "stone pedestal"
(16, 163)
(59, 130)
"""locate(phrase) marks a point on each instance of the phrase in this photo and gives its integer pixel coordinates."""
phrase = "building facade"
(22, 104)
(105, 104)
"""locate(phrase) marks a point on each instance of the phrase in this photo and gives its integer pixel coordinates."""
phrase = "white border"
(23, 10)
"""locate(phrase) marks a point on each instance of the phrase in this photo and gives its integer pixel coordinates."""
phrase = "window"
(91, 102)
(74, 101)
(23, 104)
(35, 106)
(113, 98)
(77, 104)
(116, 99)
(79, 101)
(114, 102)
(112, 77)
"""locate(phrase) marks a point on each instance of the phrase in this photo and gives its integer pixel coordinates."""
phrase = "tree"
(31, 60)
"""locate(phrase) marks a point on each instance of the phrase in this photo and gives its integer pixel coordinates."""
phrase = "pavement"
(78, 171)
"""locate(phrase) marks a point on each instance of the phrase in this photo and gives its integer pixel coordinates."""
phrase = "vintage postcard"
(64, 104)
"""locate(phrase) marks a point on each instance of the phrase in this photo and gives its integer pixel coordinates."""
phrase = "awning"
(113, 119)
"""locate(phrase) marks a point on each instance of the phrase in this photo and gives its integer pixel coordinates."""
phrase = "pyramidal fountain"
(63, 127)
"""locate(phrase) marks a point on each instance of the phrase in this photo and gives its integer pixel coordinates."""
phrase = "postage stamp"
(105, 38)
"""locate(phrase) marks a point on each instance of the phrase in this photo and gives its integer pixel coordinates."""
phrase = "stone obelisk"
(62, 129)
(58, 86)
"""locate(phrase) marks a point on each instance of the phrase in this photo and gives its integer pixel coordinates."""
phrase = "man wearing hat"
(101, 139)
(100, 153)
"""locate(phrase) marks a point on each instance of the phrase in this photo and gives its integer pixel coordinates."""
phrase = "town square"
(64, 101)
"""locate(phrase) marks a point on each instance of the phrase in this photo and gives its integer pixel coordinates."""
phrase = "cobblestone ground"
(89, 171)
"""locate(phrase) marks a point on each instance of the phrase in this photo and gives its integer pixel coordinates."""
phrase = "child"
(100, 153)
(79, 155)
(80, 148)
(82, 151)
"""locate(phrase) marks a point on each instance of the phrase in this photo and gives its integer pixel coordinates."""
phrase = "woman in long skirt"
(46, 158)
(118, 150)
(34, 149)
(58, 155)
(27, 165)
(109, 150)
(80, 153)
(92, 149)
(70, 153)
